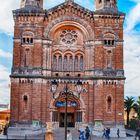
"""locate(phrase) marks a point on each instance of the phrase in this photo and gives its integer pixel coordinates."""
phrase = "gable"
(68, 8)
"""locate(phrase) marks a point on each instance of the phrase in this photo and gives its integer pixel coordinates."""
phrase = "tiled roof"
(72, 3)
(29, 9)
(108, 11)
(5, 111)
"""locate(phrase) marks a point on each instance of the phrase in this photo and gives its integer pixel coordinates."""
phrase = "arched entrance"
(73, 106)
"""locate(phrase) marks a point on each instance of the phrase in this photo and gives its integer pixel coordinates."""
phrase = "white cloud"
(4, 82)
(5, 54)
(132, 51)
(4, 71)
(133, 18)
(132, 63)
(6, 18)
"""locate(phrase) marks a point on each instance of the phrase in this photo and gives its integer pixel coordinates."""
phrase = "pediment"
(68, 8)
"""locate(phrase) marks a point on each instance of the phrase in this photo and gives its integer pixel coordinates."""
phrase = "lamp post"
(66, 93)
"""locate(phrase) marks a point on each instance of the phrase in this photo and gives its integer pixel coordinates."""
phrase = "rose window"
(68, 37)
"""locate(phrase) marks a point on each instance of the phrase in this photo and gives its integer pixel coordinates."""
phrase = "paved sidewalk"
(41, 137)
(2, 137)
(59, 135)
(130, 132)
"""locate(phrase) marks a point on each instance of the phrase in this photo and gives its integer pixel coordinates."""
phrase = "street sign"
(35, 123)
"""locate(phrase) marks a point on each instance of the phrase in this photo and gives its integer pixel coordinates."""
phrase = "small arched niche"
(25, 102)
(109, 104)
(109, 40)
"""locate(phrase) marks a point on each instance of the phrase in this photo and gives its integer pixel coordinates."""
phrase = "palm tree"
(137, 107)
(128, 105)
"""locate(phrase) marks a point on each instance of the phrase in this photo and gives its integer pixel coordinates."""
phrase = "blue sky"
(131, 44)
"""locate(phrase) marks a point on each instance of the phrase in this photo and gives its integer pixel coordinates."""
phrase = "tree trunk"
(127, 119)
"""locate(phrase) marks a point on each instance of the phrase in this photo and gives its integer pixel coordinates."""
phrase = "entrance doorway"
(70, 120)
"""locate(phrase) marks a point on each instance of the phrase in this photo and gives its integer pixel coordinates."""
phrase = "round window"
(68, 37)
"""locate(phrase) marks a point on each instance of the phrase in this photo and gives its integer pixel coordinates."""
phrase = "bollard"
(25, 137)
(49, 135)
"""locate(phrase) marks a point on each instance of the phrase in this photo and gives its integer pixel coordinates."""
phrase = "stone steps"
(25, 131)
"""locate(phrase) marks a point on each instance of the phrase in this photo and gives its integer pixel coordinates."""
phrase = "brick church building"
(68, 43)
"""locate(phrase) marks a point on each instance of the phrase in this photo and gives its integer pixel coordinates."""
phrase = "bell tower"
(106, 4)
(38, 3)
(22, 3)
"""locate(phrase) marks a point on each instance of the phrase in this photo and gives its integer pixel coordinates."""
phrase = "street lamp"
(66, 93)
(79, 87)
(54, 85)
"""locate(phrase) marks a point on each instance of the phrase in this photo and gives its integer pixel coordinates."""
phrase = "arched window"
(68, 37)
(54, 63)
(100, 1)
(71, 63)
(25, 102)
(81, 63)
(65, 63)
(25, 98)
(109, 104)
(109, 40)
(109, 59)
(76, 63)
(68, 62)
(60, 63)
(27, 38)
(27, 58)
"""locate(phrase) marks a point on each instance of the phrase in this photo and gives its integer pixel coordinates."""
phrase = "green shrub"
(134, 123)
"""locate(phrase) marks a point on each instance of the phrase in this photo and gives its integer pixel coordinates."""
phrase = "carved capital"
(89, 43)
(47, 42)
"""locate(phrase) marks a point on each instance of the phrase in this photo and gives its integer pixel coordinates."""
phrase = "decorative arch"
(57, 52)
(109, 35)
(27, 37)
(79, 52)
(110, 32)
(109, 58)
(28, 33)
(71, 98)
(80, 102)
(68, 52)
(25, 102)
(68, 61)
(109, 39)
(71, 21)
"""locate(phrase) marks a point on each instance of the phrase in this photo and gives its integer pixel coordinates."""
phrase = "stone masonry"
(68, 43)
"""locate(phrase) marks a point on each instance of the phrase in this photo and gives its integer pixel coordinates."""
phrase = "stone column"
(47, 57)
(91, 101)
(89, 57)
(98, 110)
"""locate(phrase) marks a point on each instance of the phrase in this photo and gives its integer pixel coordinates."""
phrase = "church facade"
(68, 43)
